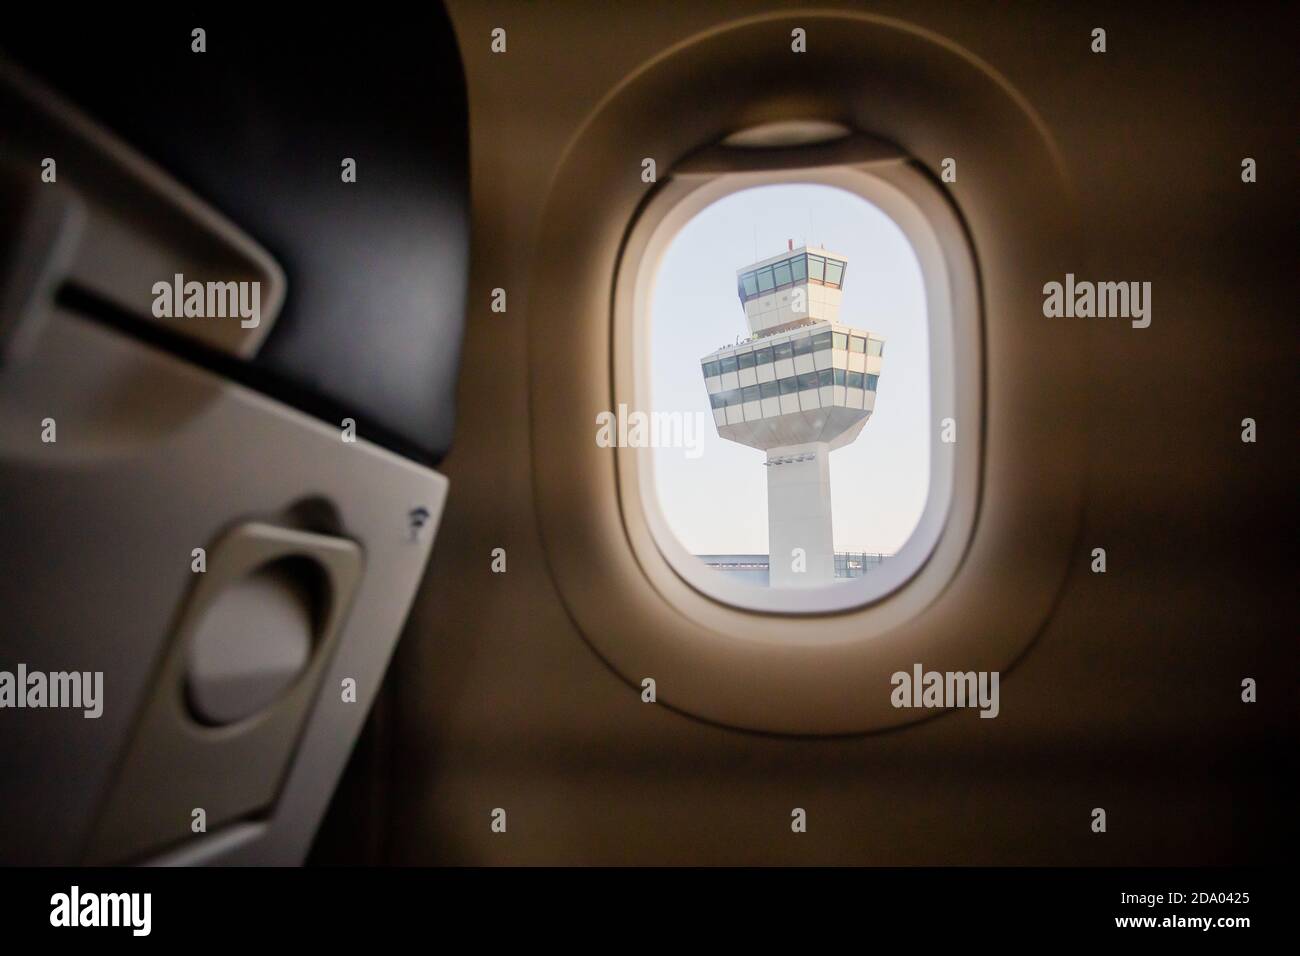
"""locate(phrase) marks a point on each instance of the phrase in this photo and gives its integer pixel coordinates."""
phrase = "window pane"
(855, 379)
(875, 347)
(834, 272)
(729, 363)
(871, 382)
(669, 314)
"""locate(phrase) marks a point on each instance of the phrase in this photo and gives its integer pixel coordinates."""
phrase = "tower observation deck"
(799, 387)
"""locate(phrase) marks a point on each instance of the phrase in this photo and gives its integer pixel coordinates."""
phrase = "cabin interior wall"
(1128, 699)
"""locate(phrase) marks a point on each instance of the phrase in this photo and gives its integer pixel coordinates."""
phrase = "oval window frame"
(829, 673)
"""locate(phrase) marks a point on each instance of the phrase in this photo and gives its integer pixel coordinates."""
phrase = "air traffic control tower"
(799, 387)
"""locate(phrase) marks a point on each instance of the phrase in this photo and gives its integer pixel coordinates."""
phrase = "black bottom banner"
(206, 906)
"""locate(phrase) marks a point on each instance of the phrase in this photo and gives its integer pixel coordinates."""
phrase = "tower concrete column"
(799, 516)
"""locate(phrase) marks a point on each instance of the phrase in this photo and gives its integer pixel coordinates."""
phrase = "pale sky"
(717, 503)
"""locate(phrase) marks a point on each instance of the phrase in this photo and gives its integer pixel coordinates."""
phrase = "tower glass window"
(834, 272)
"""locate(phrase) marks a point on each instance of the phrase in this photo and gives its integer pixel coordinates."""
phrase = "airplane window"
(824, 490)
